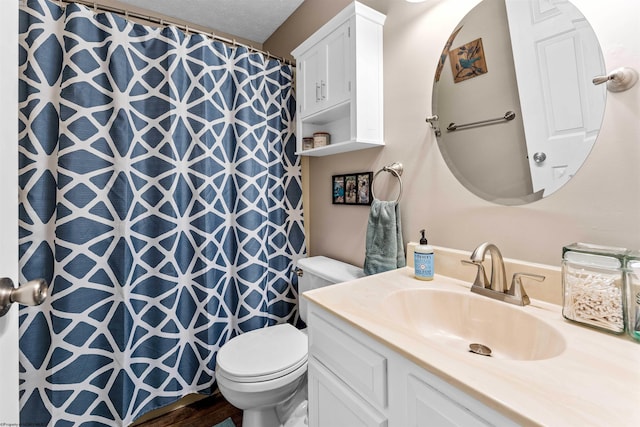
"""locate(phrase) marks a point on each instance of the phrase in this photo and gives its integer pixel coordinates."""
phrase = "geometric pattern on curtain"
(161, 199)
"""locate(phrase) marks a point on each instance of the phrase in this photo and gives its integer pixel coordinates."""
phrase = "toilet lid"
(263, 354)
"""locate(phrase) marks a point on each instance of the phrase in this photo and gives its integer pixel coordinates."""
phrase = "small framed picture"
(352, 188)
(364, 188)
(338, 189)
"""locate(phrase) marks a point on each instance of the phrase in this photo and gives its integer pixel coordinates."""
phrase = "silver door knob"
(539, 157)
(34, 292)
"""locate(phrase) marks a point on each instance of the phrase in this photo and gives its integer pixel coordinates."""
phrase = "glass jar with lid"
(307, 143)
(321, 139)
(593, 286)
(632, 294)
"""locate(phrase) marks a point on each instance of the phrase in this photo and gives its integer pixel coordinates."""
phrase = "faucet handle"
(517, 289)
(481, 278)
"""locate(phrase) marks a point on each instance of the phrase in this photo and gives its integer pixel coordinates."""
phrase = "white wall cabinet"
(339, 82)
(324, 74)
(356, 381)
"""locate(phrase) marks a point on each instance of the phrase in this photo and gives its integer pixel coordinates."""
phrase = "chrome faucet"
(496, 288)
(498, 278)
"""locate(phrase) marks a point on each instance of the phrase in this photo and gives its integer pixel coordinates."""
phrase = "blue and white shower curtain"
(160, 196)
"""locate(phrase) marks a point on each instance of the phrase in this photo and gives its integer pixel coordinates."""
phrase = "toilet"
(264, 371)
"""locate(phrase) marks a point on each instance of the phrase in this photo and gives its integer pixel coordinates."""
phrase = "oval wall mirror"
(517, 112)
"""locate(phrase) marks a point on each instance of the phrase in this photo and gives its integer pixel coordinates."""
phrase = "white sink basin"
(458, 319)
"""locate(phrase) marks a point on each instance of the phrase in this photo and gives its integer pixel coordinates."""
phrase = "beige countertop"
(595, 381)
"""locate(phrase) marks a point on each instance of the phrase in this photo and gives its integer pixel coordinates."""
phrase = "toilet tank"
(320, 271)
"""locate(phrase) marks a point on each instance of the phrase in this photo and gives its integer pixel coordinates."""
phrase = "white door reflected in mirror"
(561, 108)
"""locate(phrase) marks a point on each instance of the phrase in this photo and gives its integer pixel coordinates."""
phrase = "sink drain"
(480, 349)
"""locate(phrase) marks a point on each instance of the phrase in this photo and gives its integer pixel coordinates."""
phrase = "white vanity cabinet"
(339, 87)
(355, 381)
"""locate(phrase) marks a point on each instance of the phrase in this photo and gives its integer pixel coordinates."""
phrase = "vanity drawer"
(360, 367)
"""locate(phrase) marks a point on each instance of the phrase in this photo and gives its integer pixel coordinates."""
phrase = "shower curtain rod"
(164, 22)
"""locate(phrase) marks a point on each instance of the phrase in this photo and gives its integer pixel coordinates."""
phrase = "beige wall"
(600, 205)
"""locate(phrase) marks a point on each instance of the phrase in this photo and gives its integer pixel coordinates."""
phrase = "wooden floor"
(203, 413)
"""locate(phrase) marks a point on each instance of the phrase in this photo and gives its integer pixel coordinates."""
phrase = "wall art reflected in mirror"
(521, 129)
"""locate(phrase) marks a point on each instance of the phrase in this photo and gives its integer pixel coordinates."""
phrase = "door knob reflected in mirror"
(34, 292)
(539, 157)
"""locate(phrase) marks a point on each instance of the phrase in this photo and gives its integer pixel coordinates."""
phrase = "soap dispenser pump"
(423, 259)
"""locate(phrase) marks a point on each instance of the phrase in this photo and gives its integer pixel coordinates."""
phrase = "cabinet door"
(334, 89)
(324, 73)
(333, 404)
(310, 67)
(349, 358)
(427, 406)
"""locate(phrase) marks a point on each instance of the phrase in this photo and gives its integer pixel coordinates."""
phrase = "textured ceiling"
(253, 20)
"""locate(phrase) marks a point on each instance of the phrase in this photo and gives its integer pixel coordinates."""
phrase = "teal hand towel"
(384, 247)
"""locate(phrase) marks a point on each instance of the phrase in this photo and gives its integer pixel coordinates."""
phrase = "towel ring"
(396, 169)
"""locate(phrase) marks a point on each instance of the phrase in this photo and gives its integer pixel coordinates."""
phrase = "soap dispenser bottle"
(423, 259)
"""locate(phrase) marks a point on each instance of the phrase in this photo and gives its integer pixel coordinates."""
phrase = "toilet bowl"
(261, 369)
(264, 371)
